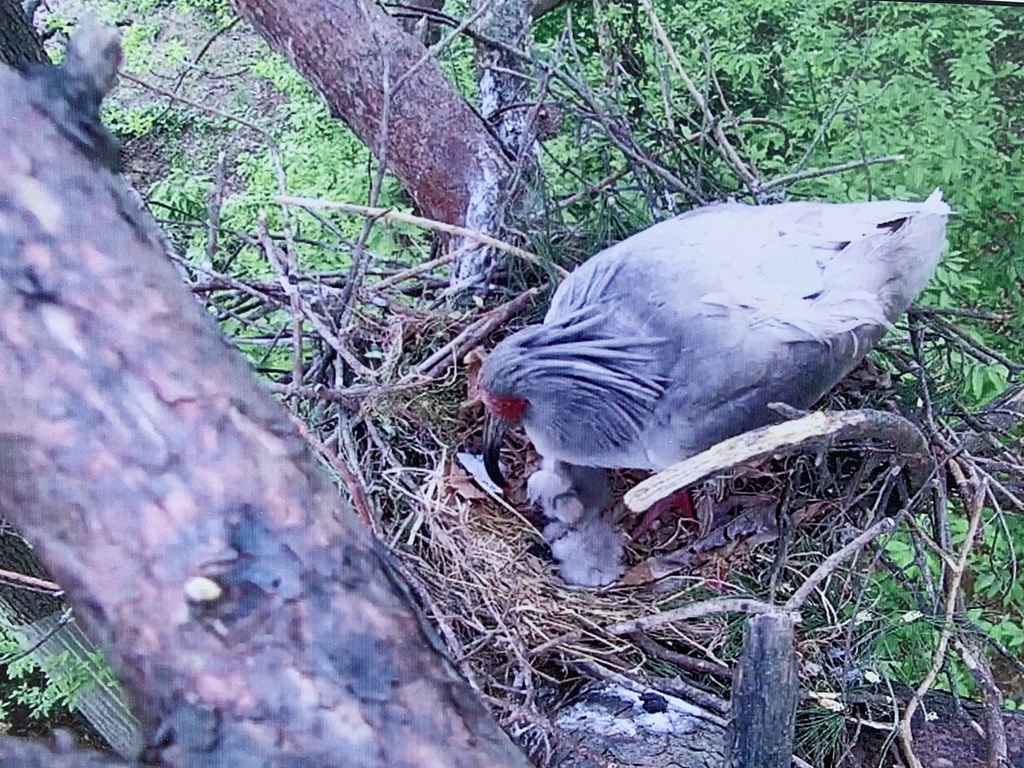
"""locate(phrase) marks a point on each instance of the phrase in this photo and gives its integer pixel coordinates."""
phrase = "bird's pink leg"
(680, 500)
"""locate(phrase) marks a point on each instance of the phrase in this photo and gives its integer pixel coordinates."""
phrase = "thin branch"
(407, 218)
(812, 173)
(833, 561)
(356, 490)
(687, 612)
(721, 140)
(973, 494)
(438, 362)
(31, 582)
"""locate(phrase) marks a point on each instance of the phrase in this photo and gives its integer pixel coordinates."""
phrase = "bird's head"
(576, 383)
(504, 405)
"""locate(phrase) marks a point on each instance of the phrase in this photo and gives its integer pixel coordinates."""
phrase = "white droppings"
(614, 711)
(200, 589)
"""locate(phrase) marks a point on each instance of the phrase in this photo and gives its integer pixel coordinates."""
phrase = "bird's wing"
(813, 271)
(798, 271)
(774, 303)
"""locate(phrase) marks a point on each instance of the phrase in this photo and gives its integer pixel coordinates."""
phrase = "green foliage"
(906, 638)
(182, 195)
(41, 693)
(218, 13)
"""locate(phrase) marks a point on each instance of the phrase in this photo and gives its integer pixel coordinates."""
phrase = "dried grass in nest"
(498, 599)
(516, 630)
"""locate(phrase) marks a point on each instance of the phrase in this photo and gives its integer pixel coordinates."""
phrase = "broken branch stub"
(765, 692)
(815, 431)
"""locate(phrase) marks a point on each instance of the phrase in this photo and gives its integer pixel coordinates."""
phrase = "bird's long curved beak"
(494, 434)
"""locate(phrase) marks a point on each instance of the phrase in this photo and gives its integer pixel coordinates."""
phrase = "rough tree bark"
(253, 621)
(505, 104)
(359, 59)
(765, 691)
(19, 43)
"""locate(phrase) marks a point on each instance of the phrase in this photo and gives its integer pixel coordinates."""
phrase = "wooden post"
(764, 696)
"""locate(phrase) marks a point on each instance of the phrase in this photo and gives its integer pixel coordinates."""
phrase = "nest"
(377, 362)
(387, 400)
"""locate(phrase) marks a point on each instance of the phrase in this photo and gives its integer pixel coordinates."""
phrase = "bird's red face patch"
(506, 407)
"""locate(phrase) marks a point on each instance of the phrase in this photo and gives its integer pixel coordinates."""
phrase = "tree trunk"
(506, 105)
(251, 618)
(359, 59)
(19, 43)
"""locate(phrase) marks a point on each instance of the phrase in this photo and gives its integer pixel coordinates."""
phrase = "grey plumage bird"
(681, 335)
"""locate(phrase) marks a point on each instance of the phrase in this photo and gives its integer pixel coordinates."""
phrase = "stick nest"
(380, 376)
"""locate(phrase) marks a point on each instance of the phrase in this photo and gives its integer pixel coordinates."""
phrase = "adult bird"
(681, 335)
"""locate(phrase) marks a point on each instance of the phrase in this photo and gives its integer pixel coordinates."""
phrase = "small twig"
(681, 689)
(799, 597)
(221, 281)
(785, 529)
(213, 205)
(441, 45)
(356, 491)
(438, 363)
(693, 611)
(419, 269)
(992, 698)
(30, 582)
(730, 117)
(601, 672)
(355, 274)
(973, 495)
(284, 270)
(66, 617)
(721, 140)
(203, 51)
(303, 310)
(980, 350)
(652, 648)
(813, 173)
(603, 184)
(834, 108)
(789, 437)
(863, 150)
(195, 105)
(976, 314)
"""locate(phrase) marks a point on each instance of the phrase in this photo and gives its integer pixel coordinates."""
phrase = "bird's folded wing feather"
(799, 272)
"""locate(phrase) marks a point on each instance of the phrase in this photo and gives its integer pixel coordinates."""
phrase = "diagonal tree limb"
(140, 454)
(435, 143)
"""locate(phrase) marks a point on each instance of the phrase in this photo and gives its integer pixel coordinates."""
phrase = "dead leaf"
(473, 360)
